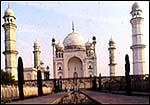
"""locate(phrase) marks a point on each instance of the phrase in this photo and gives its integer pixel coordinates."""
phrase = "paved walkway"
(109, 98)
(40, 100)
(101, 97)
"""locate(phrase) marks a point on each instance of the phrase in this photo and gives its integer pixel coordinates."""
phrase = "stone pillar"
(137, 40)
(10, 43)
(112, 57)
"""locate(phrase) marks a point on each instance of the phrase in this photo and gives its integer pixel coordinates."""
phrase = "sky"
(105, 19)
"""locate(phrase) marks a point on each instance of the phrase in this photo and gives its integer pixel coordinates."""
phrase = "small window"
(90, 67)
(7, 20)
(59, 55)
(90, 75)
(60, 77)
(89, 52)
(134, 13)
(59, 68)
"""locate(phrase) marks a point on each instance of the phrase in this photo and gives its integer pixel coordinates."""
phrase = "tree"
(127, 75)
(39, 83)
(55, 85)
(60, 86)
(7, 78)
(20, 78)
(99, 81)
(94, 85)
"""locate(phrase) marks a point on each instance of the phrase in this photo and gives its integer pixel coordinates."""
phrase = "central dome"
(74, 41)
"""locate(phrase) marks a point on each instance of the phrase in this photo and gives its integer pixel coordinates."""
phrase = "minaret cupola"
(136, 10)
(9, 16)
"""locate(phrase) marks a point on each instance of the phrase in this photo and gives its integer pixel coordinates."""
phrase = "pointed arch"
(75, 65)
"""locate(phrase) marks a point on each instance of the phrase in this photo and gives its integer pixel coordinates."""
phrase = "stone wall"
(8, 91)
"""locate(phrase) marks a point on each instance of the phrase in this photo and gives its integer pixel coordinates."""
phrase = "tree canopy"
(7, 78)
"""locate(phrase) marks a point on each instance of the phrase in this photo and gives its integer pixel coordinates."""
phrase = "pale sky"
(44, 20)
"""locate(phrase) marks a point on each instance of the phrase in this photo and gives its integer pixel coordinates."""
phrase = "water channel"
(76, 97)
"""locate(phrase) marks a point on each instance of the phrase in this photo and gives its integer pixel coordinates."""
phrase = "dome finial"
(8, 5)
(72, 26)
(111, 39)
(36, 43)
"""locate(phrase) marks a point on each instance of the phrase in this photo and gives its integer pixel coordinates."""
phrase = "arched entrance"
(75, 67)
(75, 74)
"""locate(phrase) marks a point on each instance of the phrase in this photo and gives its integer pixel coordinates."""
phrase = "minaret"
(95, 57)
(112, 57)
(10, 42)
(137, 40)
(36, 54)
(72, 26)
(94, 43)
(53, 45)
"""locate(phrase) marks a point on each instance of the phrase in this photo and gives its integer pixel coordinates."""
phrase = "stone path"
(101, 97)
(41, 100)
(109, 98)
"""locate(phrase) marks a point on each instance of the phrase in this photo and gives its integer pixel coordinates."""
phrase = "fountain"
(76, 97)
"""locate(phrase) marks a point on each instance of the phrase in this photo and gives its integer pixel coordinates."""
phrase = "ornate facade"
(74, 58)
